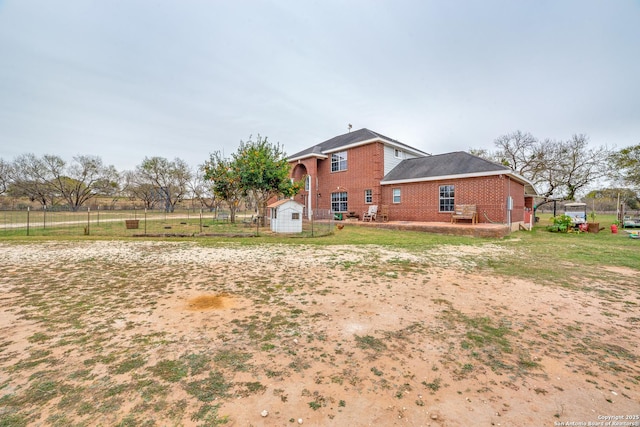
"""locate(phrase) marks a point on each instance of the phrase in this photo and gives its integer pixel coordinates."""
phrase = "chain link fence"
(136, 223)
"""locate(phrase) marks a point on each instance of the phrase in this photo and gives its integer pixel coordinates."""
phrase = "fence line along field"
(414, 330)
(122, 223)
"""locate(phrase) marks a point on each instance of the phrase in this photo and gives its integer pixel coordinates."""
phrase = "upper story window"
(398, 154)
(447, 199)
(339, 161)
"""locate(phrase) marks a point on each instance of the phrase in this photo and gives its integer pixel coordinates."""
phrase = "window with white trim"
(339, 161)
(339, 202)
(396, 195)
(398, 154)
(368, 196)
(447, 198)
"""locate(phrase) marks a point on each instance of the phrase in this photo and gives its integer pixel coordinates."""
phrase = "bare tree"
(559, 168)
(5, 176)
(49, 178)
(170, 178)
(83, 179)
(581, 165)
(202, 190)
(31, 178)
(135, 187)
(549, 175)
(519, 151)
(530, 158)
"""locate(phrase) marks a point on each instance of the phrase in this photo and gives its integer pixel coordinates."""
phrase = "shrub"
(561, 223)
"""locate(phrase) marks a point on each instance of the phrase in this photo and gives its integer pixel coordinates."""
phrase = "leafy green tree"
(225, 182)
(625, 165)
(264, 172)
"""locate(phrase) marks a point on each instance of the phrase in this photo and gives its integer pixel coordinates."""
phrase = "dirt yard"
(175, 334)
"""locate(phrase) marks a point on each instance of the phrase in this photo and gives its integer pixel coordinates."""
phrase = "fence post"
(87, 231)
(28, 213)
(145, 221)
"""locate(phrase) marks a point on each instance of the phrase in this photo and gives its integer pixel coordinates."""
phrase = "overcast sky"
(125, 79)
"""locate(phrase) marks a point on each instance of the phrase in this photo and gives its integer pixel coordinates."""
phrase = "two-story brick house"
(349, 172)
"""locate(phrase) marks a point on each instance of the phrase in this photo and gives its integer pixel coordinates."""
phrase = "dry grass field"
(177, 333)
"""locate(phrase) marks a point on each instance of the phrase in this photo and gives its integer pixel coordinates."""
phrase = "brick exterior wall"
(419, 200)
(365, 170)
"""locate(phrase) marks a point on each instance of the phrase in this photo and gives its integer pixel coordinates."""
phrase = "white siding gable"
(393, 156)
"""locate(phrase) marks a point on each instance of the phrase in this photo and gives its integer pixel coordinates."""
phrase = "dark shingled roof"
(345, 140)
(456, 163)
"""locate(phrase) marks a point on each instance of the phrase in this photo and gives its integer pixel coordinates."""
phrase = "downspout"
(309, 199)
(509, 201)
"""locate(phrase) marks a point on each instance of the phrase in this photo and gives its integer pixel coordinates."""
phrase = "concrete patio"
(458, 229)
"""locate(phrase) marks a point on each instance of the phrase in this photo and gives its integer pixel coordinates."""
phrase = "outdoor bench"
(464, 212)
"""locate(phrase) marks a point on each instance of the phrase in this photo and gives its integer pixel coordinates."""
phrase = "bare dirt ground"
(175, 334)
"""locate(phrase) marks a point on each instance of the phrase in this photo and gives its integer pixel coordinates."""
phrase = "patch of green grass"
(13, 420)
(527, 364)
(557, 258)
(115, 390)
(433, 385)
(197, 363)
(150, 389)
(39, 337)
(484, 333)
(71, 397)
(41, 392)
(170, 370)
(210, 388)
(315, 405)
(248, 388)
(369, 342)
(377, 372)
(231, 359)
(134, 362)
(208, 415)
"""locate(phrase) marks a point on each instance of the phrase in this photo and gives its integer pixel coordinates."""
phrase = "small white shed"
(286, 216)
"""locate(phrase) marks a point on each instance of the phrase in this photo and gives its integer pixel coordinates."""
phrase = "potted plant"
(593, 226)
